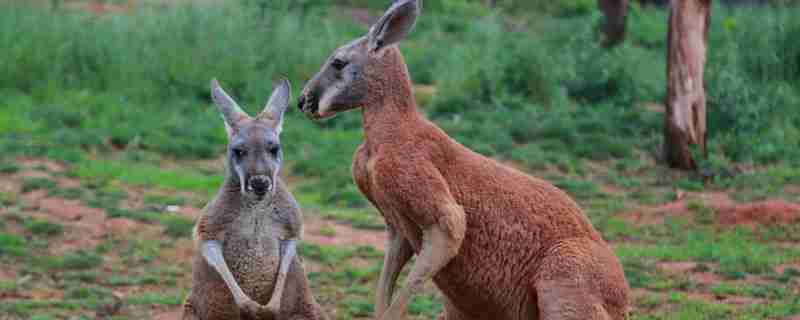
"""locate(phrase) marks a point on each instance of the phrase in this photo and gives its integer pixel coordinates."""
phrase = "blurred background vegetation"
(526, 83)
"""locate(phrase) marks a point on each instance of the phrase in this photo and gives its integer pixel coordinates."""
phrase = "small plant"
(177, 226)
(12, 245)
(67, 193)
(7, 199)
(31, 184)
(8, 168)
(42, 227)
(327, 231)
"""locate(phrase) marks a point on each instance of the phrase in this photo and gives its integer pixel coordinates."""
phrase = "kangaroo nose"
(260, 184)
(301, 102)
(308, 102)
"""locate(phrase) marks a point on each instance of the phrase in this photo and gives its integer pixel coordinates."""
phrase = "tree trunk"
(685, 118)
(616, 12)
(491, 3)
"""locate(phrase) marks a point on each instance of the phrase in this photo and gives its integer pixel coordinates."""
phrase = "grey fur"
(246, 265)
(277, 104)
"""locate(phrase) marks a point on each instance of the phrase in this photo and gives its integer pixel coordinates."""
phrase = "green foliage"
(177, 226)
(73, 260)
(8, 168)
(30, 184)
(12, 245)
(153, 298)
(42, 227)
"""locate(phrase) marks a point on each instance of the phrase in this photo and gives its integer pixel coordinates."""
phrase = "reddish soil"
(759, 213)
(342, 235)
(676, 267)
(728, 212)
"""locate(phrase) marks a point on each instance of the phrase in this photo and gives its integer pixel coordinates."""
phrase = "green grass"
(737, 252)
(12, 245)
(177, 226)
(122, 101)
(41, 227)
(31, 184)
(155, 299)
(148, 175)
(75, 260)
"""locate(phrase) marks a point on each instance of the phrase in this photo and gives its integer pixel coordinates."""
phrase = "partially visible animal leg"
(188, 310)
(563, 299)
(450, 312)
(298, 302)
(398, 252)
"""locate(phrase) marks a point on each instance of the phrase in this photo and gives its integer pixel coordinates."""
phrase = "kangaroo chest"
(252, 251)
(364, 174)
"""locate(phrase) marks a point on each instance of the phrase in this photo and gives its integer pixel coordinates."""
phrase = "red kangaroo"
(498, 243)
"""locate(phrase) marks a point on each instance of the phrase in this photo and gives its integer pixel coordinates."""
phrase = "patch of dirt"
(6, 274)
(791, 189)
(316, 229)
(656, 214)
(182, 251)
(190, 212)
(705, 278)
(69, 210)
(655, 107)
(101, 8)
(169, 315)
(85, 227)
(34, 197)
(782, 268)
(727, 211)
(122, 226)
(41, 294)
(759, 213)
(50, 165)
(676, 267)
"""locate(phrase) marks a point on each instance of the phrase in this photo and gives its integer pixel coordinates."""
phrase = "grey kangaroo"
(246, 266)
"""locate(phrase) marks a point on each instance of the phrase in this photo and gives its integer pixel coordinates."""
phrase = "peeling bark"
(616, 12)
(685, 117)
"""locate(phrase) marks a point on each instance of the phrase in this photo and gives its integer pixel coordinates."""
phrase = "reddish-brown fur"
(528, 249)
(498, 243)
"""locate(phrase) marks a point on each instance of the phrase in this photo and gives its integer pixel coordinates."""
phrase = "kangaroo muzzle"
(260, 184)
(308, 103)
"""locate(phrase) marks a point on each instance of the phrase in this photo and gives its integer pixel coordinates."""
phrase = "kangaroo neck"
(392, 109)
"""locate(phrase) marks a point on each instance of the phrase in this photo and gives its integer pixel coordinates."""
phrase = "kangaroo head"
(351, 76)
(254, 148)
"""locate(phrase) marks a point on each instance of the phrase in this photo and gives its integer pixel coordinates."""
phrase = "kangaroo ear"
(231, 112)
(395, 24)
(277, 104)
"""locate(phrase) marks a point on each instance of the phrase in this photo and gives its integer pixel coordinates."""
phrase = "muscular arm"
(288, 253)
(398, 252)
(432, 207)
(288, 228)
(212, 253)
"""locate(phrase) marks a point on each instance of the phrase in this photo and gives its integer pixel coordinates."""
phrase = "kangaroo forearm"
(212, 252)
(398, 252)
(288, 253)
(439, 246)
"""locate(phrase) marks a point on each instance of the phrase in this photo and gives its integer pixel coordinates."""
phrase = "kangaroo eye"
(275, 150)
(239, 153)
(338, 64)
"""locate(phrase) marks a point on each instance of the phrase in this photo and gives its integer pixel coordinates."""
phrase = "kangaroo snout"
(308, 104)
(260, 184)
